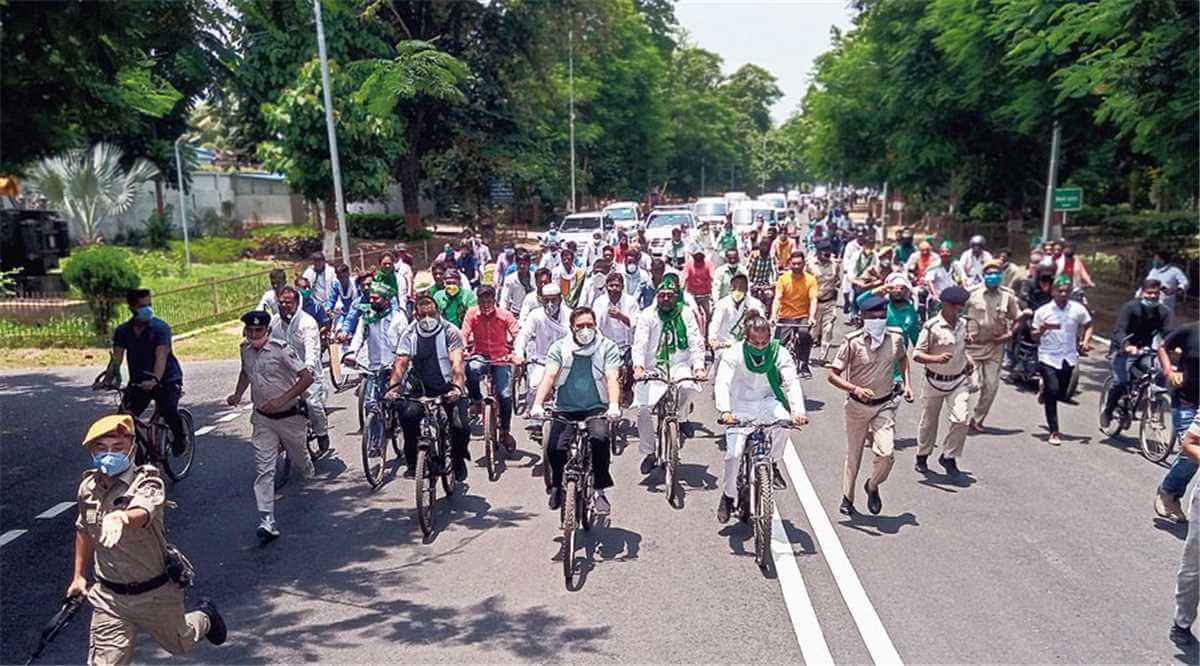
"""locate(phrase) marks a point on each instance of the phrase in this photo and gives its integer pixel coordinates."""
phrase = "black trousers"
(1054, 388)
(804, 340)
(167, 397)
(411, 413)
(560, 441)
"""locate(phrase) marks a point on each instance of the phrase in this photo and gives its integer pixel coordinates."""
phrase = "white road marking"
(870, 627)
(54, 510)
(227, 418)
(10, 535)
(795, 597)
(205, 430)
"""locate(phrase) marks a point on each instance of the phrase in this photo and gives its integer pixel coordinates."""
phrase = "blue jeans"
(374, 387)
(501, 387)
(1184, 468)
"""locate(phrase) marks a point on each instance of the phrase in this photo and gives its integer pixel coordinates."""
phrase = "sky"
(782, 36)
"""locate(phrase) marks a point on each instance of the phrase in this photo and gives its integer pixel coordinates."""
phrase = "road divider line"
(9, 536)
(228, 417)
(795, 596)
(870, 627)
(54, 510)
(205, 430)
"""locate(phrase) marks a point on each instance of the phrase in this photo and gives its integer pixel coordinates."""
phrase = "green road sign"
(1068, 198)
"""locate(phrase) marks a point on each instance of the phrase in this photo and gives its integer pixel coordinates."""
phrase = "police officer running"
(120, 533)
(277, 378)
(992, 312)
(942, 348)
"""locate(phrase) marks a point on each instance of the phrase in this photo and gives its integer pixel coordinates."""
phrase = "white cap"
(898, 278)
(551, 289)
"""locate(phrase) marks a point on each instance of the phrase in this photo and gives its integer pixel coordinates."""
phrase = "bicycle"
(668, 439)
(579, 491)
(490, 417)
(283, 464)
(153, 435)
(755, 503)
(382, 423)
(331, 359)
(793, 342)
(433, 459)
(1147, 400)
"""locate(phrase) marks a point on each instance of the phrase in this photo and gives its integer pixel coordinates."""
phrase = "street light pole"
(571, 75)
(1049, 208)
(187, 250)
(333, 147)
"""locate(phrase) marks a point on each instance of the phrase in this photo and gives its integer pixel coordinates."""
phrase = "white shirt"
(269, 302)
(404, 281)
(320, 281)
(744, 393)
(382, 338)
(484, 254)
(972, 266)
(513, 293)
(531, 303)
(727, 316)
(1062, 344)
(648, 331)
(617, 331)
(592, 289)
(850, 256)
(539, 331)
(303, 336)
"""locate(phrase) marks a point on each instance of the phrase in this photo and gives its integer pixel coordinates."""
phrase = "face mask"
(585, 336)
(428, 324)
(631, 268)
(875, 328)
(552, 309)
(992, 280)
(1150, 303)
(305, 292)
(143, 314)
(452, 289)
(379, 306)
(111, 463)
(1157, 263)
(758, 355)
(738, 295)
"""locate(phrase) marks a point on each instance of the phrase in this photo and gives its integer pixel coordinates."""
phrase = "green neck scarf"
(763, 362)
(370, 314)
(453, 310)
(728, 241)
(674, 332)
(388, 279)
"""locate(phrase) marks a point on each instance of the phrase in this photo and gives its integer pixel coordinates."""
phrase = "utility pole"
(701, 176)
(762, 181)
(1050, 178)
(187, 250)
(571, 75)
(333, 147)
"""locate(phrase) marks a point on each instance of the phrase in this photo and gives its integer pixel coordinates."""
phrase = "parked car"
(777, 201)
(662, 220)
(732, 199)
(745, 215)
(710, 210)
(625, 215)
(579, 227)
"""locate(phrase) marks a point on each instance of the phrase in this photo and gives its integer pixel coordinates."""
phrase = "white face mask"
(585, 336)
(552, 309)
(428, 324)
(875, 328)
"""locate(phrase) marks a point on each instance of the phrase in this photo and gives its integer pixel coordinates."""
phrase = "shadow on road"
(863, 522)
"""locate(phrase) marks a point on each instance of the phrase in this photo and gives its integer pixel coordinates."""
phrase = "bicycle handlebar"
(769, 425)
(669, 382)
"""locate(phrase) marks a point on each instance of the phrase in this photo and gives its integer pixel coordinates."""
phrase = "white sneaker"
(267, 529)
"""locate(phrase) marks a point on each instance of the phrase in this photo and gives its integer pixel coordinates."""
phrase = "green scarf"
(454, 307)
(370, 315)
(388, 279)
(674, 332)
(764, 362)
(727, 241)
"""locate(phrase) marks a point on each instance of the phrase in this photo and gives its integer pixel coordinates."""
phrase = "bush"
(298, 230)
(213, 250)
(158, 230)
(374, 226)
(103, 275)
(987, 211)
(296, 247)
(155, 265)
(212, 223)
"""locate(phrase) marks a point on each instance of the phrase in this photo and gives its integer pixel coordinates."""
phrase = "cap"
(994, 265)
(256, 318)
(551, 290)
(122, 424)
(823, 246)
(1062, 279)
(873, 303)
(954, 295)
(898, 278)
(946, 245)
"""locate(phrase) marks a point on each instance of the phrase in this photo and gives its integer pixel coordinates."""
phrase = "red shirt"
(490, 335)
(697, 279)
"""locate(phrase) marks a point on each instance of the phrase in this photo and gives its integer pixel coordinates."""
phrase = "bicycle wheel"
(587, 512)
(489, 438)
(447, 470)
(178, 466)
(519, 394)
(362, 410)
(374, 449)
(426, 492)
(762, 516)
(283, 468)
(314, 447)
(670, 460)
(1156, 433)
(570, 499)
(334, 363)
(1114, 424)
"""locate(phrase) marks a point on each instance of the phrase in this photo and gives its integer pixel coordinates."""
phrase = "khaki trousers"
(266, 435)
(826, 317)
(117, 619)
(987, 378)
(958, 403)
(879, 424)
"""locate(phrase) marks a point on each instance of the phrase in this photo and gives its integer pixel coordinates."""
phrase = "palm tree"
(90, 185)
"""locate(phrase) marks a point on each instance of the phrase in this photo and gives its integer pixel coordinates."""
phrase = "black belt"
(946, 378)
(287, 413)
(873, 402)
(136, 588)
(826, 300)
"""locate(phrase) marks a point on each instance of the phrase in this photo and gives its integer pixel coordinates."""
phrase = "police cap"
(256, 318)
(873, 303)
(954, 295)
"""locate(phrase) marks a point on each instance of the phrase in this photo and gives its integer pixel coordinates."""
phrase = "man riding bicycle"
(154, 373)
(582, 369)
(615, 313)
(756, 382)
(731, 314)
(489, 332)
(542, 328)
(795, 303)
(379, 328)
(1138, 323)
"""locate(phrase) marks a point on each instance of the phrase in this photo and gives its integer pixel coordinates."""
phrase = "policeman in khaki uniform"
(276, 377)
(992, 312)
(864, 367)
(942, 347)
(120, 532)
(828, 273)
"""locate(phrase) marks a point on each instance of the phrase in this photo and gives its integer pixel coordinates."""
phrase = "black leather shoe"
(649, 463)
(460, 470)
(950, 465)
(216, 624)
(555, 500)
(847, 507)
(922, 464)
(777, 480)
(724, 509)
(1181, 637)
(874, 501)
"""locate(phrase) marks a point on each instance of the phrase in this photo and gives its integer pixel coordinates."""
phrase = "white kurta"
(684, 363)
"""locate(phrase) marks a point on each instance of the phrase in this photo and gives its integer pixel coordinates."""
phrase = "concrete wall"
(392, 203)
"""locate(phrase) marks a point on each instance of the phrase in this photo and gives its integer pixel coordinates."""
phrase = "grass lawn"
(215, 343)
(204, 272)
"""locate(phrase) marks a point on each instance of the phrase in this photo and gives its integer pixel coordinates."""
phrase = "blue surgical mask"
(993, 280)
(111, 463)
(1150, 303)
(143, 314)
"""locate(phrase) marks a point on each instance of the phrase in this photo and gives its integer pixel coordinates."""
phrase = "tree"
(752, 91)
(90, 185)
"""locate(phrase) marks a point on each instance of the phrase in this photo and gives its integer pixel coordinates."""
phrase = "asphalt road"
(1043, 555)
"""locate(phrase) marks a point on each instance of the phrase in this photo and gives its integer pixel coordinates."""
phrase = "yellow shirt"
(782, 250)
(794, 296)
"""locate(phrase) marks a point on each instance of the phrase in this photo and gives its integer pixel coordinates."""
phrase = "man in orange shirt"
(794, 304)
(781, 251)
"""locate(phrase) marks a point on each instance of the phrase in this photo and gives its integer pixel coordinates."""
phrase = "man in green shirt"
(454, 300)
(583, 370)
(722, 276)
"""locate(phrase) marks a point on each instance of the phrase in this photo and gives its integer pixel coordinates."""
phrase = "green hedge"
(213, 249)
(383, 226)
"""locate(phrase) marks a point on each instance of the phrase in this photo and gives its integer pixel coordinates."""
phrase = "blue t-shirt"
(139, 350)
